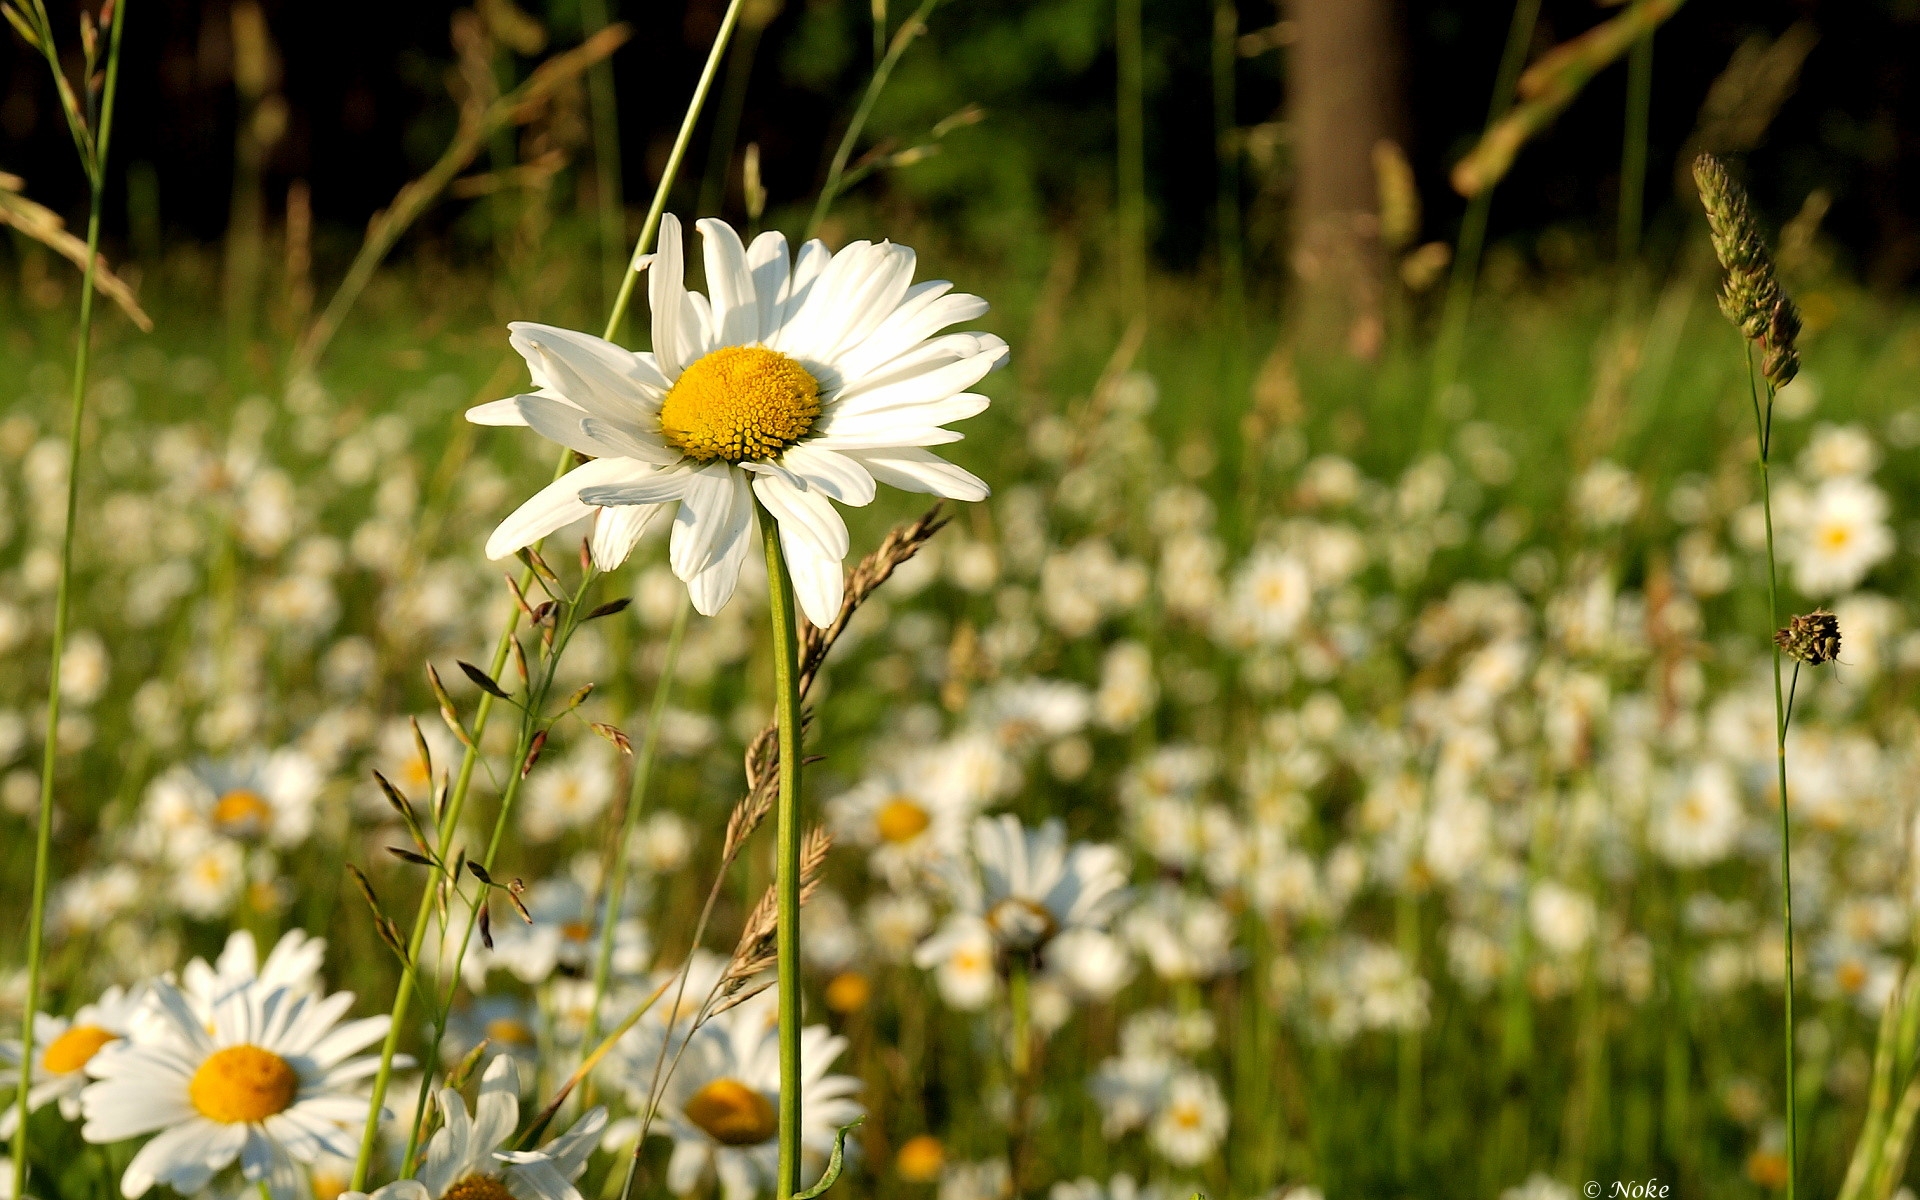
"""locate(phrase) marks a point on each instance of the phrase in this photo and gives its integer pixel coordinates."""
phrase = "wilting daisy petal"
(810, 380)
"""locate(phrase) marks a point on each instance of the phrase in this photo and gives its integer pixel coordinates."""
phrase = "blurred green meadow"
(1424, 719)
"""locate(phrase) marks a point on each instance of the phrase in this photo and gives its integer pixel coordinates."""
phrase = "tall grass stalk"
(1763, 434)
(903, 37)
(456, 802)
(786, 697)
(92, 133)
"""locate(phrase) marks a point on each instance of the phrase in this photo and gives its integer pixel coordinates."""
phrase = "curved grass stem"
(1763, 433)
(93, 154)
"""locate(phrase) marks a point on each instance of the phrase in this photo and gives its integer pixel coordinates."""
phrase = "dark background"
(366, 85)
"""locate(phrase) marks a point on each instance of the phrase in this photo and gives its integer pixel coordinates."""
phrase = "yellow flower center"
(243, 1084)
(242, 811)
(72, 1049)
(732, 1113)
(478, 1187)
(510, 1030)
(848, 992)
(739, 403)
(901, 820)
(920, 1159)
(1836, 537)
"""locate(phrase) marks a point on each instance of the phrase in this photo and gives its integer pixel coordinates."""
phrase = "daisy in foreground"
(65, 1047)
(268, 1080)
(465, 1160)
(793, 383)
(721, 1103)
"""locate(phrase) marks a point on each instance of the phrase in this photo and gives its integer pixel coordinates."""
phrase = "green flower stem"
(403, 993)
(786, 687)
(615, 884)
(94, 160)
(1763, 433)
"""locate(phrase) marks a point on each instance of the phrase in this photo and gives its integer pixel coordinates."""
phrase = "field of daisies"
(828, 727)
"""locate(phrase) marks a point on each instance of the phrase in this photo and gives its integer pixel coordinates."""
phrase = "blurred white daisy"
(250, 797)
(1023, 889)
(721, 1104)
(910, 830)
(269, 1081)
(793, 382)
(1842, 535)
(465, 1159)
(63, 1046)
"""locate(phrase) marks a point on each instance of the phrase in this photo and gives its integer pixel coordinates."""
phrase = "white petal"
(830, 472)
(928, 387)
(496, 412)
(912, 469)
(814, 541)
(559, 504)
(711, 588)
(927, 309)
(714, 508)
(602, 378)
(562, 423)
(768, 260)
(730, 285)
(667, 297)
(617, 530)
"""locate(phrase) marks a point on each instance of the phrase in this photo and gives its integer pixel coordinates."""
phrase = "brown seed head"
(1813, 638)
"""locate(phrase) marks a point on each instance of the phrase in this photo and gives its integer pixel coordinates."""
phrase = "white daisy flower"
(251, 797)
(794, 383)
(293, 965)
(1024, 889)
(1192, 1120)
(465, 1159)
(1842, 534)
(269, 1081)
(63, 1046)
(721, 1105)
(910, 830)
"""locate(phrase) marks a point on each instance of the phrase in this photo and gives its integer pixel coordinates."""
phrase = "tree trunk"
(1345, 95)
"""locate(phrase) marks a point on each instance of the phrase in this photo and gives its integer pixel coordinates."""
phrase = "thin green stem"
(786, 688)
(615, 883)
(1763, 428)
(95, 165)
(902, 38)
(644, 245)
